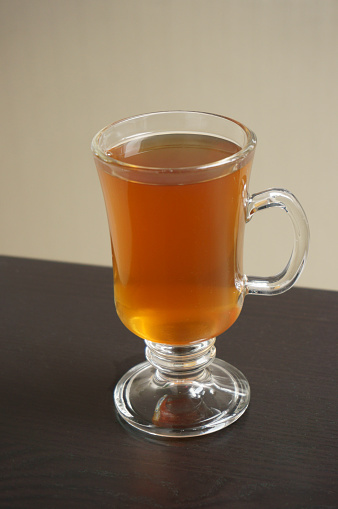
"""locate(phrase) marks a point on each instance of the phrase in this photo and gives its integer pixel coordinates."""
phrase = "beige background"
(69, 67)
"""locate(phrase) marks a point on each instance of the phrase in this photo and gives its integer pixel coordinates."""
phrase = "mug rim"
(243, 153)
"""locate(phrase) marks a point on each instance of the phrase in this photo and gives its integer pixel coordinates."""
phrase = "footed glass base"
(182, 391)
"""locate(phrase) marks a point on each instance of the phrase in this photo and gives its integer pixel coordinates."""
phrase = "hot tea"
(177, 248)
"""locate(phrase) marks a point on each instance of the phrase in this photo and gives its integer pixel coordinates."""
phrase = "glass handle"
(288, 276)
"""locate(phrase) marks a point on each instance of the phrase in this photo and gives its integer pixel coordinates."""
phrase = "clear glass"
(176, 195)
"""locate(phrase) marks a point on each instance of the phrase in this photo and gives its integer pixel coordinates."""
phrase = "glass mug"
(175, 186)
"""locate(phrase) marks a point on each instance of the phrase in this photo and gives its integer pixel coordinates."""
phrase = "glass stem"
(180, 362)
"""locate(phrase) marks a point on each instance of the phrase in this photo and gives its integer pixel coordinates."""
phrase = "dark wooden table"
(62, 351)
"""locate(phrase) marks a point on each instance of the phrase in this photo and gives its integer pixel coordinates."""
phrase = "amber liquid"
(177, 249)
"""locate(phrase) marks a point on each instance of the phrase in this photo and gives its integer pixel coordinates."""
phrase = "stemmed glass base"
(182, 391)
